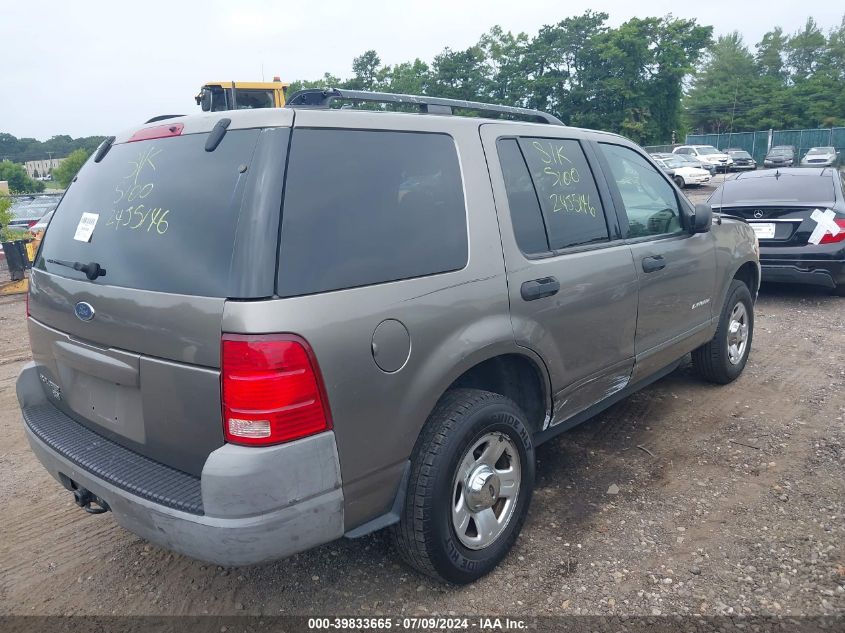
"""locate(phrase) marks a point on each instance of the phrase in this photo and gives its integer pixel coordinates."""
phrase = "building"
(4, 187)
(41, 168)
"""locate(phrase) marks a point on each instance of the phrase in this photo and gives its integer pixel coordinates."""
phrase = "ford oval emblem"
(84, 311)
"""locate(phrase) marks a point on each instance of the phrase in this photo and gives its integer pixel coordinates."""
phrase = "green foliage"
(19, 182)
(626, 79)
(24, 149)
(7, 234)
(5, 213)
(70, 166)
(793, 81)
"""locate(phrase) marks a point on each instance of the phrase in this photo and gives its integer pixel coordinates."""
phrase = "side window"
(527, 220)
(650, 202)
(567, 192)
(365, 207)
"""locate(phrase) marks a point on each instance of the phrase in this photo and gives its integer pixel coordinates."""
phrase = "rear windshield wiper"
(92, 270)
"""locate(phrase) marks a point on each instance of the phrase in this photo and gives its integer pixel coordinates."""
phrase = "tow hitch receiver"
(84, 497)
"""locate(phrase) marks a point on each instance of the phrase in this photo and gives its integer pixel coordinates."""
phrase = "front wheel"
(724, 357)
(680, 182)
(472, 475)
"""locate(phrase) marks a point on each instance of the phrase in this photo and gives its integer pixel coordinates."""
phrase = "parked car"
(780, 156)
(666, 170)
(27, 210)
(41, 225)
(387, 350)
(798, 215)
(743, 161)
(692, 161)
(820, 157)
(708, 154)
(682, 174)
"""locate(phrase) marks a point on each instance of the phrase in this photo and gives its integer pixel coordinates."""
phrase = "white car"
(683, 174)
(707, 154)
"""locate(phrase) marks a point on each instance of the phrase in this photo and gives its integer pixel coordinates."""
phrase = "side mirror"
(703, 218)
(204, 100)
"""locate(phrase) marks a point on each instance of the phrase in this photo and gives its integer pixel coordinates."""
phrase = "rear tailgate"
(134, 354)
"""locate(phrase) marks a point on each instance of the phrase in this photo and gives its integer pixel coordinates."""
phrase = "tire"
(426, 536)
(715, 361)
(839, 291)
(680, 182)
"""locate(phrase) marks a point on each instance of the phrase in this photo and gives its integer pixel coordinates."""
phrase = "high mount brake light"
(271, 390)
(157, 131)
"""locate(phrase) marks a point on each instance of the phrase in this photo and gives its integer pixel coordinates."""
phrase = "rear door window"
(164, 214)
(526, 217)
(568, 196)
(367, 207)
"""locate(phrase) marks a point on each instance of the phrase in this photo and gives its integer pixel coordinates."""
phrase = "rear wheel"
(472, 476)
(723, 358)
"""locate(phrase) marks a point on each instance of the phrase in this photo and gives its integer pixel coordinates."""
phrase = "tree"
(796, 82)
(721, 92)
(24, 149)
(804, 51)
(770, 53)
(8, 234)
(410, 78)
(365, 69)
(18, 180)
(461, 74)
(70, 166)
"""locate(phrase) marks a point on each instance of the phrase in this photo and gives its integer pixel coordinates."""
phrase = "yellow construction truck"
(216, 96)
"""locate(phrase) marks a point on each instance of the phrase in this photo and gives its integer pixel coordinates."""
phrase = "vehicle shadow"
(800, 291)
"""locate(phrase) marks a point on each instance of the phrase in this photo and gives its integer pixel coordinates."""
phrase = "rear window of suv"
(367, 207)
(164, 214)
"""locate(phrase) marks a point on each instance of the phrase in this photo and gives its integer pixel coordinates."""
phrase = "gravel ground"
(686, 498)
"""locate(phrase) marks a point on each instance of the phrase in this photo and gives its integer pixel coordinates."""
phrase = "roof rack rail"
(316, 98)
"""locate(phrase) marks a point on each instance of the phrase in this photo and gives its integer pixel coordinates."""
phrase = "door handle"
(539, 288)
(651, 264)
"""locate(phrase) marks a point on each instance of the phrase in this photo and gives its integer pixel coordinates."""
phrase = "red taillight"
(272, 391)
(29, 225)
(157, 131)
(839, 237)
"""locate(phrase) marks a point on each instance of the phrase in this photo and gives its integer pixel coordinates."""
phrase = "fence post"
(769, 146)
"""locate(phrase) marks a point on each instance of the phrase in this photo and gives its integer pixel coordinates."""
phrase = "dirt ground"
(729, 500)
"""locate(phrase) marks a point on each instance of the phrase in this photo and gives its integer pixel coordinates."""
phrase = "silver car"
(820, 157)
(254, 332)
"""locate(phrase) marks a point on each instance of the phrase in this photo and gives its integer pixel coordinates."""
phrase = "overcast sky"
(92, 67)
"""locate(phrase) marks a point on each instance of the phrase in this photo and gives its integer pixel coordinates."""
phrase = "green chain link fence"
(759, 143)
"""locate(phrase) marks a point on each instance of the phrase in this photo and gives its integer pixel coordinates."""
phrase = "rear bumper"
(257, 504)
(827, 274)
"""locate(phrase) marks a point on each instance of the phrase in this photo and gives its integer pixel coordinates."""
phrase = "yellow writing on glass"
(562, 178)
(136, 218)
(145, 159)
(573, 203)
(132, 188)
(551, 154)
